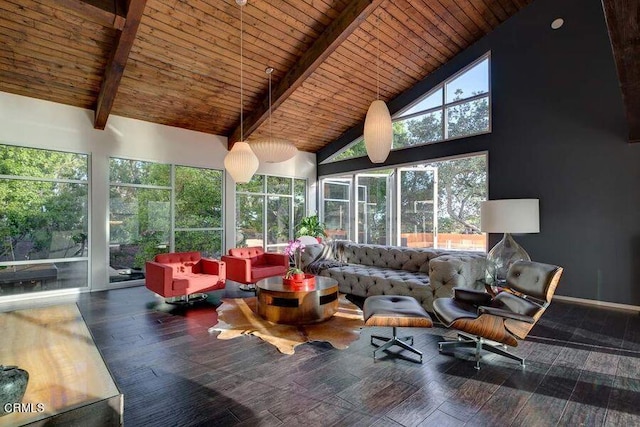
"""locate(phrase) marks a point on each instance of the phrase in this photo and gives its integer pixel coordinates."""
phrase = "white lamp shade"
(273, 150)
(378, 132)
(510, 216)
(241, 162)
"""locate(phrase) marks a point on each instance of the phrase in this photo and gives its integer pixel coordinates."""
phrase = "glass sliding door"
(373, 207)
(417, 200)
(336, 207)
(462, 185)
(44, 211)
(299, 201)
(430, 205)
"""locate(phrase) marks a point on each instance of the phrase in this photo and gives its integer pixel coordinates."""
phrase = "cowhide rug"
(237, 317)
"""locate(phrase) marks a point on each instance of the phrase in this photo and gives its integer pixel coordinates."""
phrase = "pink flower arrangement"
(295, 248)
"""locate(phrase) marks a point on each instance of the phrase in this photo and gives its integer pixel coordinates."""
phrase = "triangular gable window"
(458, 107)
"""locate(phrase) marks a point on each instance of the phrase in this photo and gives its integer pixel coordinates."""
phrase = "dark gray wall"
(559, 134)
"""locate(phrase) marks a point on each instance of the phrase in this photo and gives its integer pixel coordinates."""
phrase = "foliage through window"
(44, 233)
(458, 107)
(267, 210)
(156, 208)
(336, 206)
(435, 204)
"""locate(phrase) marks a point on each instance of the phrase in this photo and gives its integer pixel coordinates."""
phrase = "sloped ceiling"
(177, 62)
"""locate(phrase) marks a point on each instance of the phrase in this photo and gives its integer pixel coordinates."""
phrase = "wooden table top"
(275, 284)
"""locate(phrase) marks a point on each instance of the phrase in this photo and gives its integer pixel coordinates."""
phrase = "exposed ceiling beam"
(108, 13)
(337, 32)
(115, 66)
(623, 21)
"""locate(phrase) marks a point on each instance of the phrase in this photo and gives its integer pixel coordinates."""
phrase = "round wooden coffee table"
(280, 303)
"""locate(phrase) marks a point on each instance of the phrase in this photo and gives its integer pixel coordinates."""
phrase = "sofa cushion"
(317, 267)
(462, 269)
(395, 257)
(365, 281)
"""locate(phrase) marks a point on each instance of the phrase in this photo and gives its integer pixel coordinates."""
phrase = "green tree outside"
(42, 217)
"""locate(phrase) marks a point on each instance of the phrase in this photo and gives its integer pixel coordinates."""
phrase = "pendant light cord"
(378, 58)
(269, 71)
(241, 79)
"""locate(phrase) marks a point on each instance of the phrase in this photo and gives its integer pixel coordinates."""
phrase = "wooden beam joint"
(108, 13)
(333, 36)
(117, 62)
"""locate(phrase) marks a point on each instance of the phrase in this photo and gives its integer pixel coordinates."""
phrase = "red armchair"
(248, 265)
(178, 275)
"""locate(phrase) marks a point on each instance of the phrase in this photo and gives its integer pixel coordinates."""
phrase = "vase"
(307, 281)
(13, 384)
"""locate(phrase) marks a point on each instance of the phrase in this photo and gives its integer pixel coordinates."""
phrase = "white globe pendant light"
(378, 128)
(240, 161)
(378, 132)
(273, 150)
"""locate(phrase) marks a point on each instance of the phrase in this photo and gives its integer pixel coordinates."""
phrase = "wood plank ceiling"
(184, 62)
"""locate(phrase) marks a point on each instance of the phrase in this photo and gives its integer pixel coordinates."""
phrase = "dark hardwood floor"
(583, 368)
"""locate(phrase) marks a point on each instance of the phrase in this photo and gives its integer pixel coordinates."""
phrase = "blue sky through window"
(472, 82)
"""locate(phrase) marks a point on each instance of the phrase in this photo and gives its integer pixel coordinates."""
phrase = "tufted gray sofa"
(425, 274)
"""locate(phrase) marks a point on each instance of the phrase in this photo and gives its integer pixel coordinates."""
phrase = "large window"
(372, 206)
(458, 107)
(435, 204)
(268, 209)
(417, 196)
(44, 200)
(198, 218)
(155, 208)
(336, 203)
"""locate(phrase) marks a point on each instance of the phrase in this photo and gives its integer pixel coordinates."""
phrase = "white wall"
(35, 123)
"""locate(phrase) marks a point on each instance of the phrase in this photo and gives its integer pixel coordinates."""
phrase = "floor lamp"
(507, 216)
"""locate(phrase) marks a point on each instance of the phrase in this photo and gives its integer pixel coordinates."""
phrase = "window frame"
(393, 222)
(444, 107)
(171, 187)
(265, 194)
(86, 181)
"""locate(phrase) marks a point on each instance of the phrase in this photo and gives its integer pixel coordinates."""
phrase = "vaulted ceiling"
(177, 62)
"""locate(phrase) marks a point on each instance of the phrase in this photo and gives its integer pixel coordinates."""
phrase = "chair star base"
(395, 340)
(479, 343)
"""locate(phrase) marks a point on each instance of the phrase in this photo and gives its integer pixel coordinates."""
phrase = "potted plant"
(311, 226)
(294, 273)
(294, 249)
